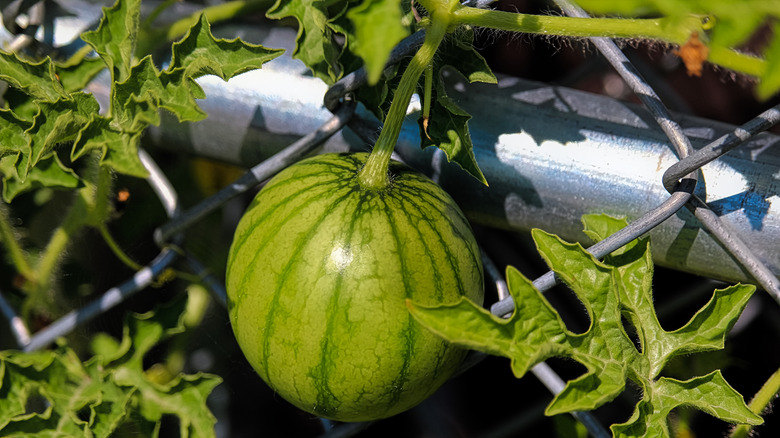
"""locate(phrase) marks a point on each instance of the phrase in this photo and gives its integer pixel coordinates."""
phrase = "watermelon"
(317, 278)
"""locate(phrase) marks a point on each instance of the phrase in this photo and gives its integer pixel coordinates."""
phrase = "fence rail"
(550, 154)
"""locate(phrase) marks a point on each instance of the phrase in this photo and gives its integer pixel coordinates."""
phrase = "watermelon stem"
(374, 175)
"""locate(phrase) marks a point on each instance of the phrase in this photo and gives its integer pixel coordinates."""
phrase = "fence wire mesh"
(682, 180)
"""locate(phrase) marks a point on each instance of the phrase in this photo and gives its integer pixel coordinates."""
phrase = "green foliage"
(618, 287)
(333, 37)
(731, 24)
(63, 115)
(54, 393)
(48, 125)
(315, 45)
(448, 125)
(378, 28)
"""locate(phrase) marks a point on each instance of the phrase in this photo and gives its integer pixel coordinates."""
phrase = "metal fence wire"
(682, 179)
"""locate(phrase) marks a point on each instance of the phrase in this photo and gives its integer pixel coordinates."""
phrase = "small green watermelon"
(317, 278)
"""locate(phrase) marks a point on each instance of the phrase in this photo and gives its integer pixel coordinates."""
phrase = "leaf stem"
(659, 29)
(90, 207)
(116, 249)
(13, 247)
(760, 401)
(428, 95)
(736, 61)
(52, 254)
(373, 176)
(655, 28)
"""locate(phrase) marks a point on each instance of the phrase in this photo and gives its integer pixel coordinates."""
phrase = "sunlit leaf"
(315, 44)
(447, 127)
(618, 286)
(114, 39)
(378, 28)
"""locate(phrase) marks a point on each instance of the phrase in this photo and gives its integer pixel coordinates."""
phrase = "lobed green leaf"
(37, 79)
(56, 122)
(378, 28)
(47, 113)
(199, 53)
(447, 127)
(54, 393)
(620, 285)
(114, 39)
(710, 393)
(48, 172)
(591, 390)
(315, 44)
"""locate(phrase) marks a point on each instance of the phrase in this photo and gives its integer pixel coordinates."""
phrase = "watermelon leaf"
(378, 28)
(114, 39)
(199, 54)
(36, 79)
(620, 285)
(49, 172)
(56, 112)
(447, 127)
(54, 392)
(315, 44)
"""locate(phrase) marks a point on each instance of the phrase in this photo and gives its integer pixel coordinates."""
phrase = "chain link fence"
(735, 248)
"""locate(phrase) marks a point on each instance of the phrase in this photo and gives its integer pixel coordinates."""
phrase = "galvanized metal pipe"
(550, 155)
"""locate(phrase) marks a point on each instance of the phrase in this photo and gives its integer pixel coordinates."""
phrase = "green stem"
(736, 61)
(59, 240)
(659, 29)
(655, 28)
(12, 246)
(49, 259)
(760, 401)
(426, 109)
(374, 175)
(90, 207)
(116, 249)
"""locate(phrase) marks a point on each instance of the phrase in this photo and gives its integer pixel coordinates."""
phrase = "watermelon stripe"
(277, 224)
(269, 210)
(280, 184)
(455, 219)
(312, 180)
(336, 165)
(416, 226)
(284, 275)
(449, 248)
(419, 190)
(323, 370)
(439, 293)
(396, 389)
(417, 197)
(242, 234)
(353, 162)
